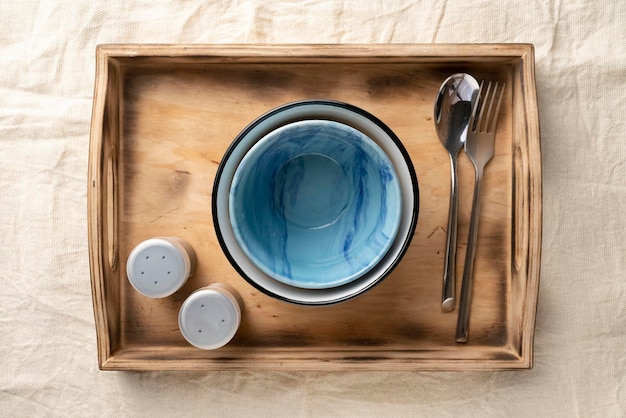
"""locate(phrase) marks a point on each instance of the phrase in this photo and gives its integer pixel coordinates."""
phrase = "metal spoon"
(453, 108)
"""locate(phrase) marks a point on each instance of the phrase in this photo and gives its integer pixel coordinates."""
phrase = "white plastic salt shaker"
(158, 267)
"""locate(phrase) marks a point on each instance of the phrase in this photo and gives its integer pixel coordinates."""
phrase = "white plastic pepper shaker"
(210, 316)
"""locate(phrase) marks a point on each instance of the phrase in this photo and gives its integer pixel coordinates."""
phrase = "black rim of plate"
(283, 108)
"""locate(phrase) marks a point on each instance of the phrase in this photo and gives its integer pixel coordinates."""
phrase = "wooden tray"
(163, 117)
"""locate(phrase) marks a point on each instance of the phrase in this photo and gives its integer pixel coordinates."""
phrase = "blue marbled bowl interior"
(315, 204)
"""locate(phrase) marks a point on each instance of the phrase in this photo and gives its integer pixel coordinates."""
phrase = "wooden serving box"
(163, 117)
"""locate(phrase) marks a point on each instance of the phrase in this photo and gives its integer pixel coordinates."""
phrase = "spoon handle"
(449, 273)
(462, 324)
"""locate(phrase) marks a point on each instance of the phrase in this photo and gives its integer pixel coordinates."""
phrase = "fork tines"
(487, 115)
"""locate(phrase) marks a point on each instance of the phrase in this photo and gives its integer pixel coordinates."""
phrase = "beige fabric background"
(48, 361)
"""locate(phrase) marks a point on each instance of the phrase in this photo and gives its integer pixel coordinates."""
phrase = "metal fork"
(479, 147)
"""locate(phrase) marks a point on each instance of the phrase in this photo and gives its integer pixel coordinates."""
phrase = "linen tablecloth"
(48, 361)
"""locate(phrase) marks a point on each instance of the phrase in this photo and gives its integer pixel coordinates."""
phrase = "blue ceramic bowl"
(315, 204)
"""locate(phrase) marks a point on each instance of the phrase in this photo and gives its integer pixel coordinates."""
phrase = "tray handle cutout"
(111, 208)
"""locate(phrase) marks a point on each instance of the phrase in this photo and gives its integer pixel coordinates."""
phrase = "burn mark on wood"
(438, 228)
(393, 83)
(365, 359)
(366, 342)
(274, 339)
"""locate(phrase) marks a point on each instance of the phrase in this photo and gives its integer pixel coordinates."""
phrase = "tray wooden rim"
(110, 56)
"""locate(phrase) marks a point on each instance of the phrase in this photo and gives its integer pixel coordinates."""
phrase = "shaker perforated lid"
(159, 267)
(210, 317)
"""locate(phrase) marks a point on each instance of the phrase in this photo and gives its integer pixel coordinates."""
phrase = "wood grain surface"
(163, 117)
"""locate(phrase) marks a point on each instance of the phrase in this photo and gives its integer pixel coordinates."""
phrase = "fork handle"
(449, 271)
(462, 325)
